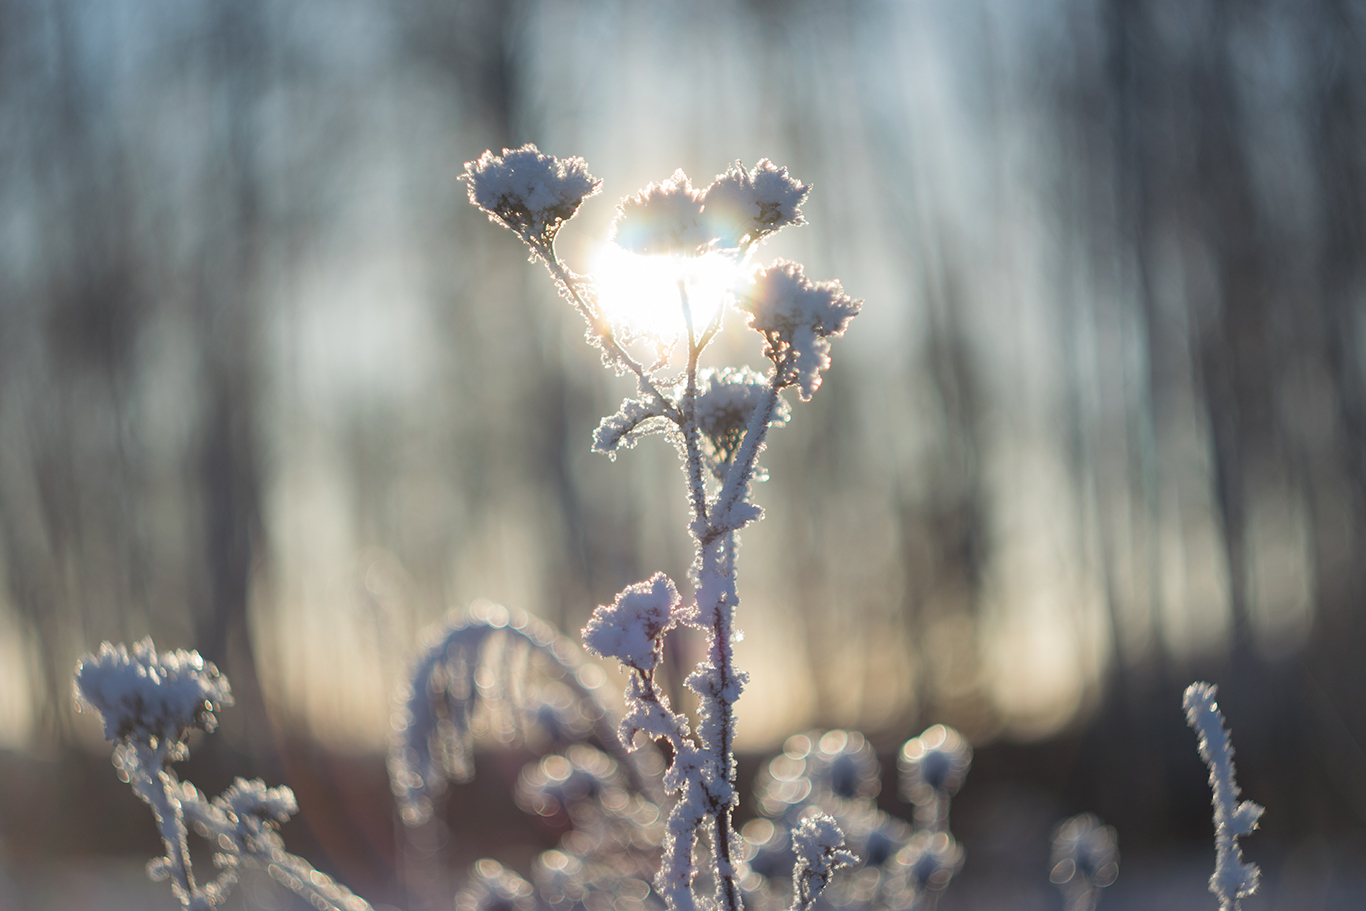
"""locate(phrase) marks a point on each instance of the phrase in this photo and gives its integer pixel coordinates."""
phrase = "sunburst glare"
(640, 294)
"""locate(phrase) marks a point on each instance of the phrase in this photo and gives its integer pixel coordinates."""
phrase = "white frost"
(629, 628)
(819, 846)
(744, 206)
(528, 192)
(1232, 879)
(663, 218)
(146, 696)
(798, 317)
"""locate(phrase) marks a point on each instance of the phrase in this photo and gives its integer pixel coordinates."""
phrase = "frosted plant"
(836, 773)
(719, 420)
(484, 660)
(1085, 860)
(932, 768)
(819, 846)
(1233, 879)
(149, 703)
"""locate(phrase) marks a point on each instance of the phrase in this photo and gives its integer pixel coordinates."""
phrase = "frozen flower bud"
(726, 400)
(844, 764)
(528, 192)
(1085, 853)
(797, 317)
(663, 218)
(629, 628)
(745, 206)
(149, 697)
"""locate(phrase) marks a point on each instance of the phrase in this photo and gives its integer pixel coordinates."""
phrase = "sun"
(641, 294)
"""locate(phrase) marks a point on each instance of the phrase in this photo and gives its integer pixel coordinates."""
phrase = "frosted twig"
(1232, 879)
(149, 703)
(796, 318)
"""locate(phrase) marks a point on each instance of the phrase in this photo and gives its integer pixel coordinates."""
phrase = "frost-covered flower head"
(492, 887)
(797, 317)
(256, 812)
(726, 400)
(745, 206)
(556, 783)
(933, 765)
(838, 764)
(663, 219)
(629, 628)
(528, 192)
(1085, 853)
(149, 697)
(931, 859)
(818, 844)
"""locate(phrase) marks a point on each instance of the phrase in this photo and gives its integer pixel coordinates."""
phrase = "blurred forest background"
(271, 389)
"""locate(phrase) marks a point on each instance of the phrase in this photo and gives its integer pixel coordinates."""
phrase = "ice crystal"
(797, 317)
(529, 193)
(1233, 879)
(146, 696)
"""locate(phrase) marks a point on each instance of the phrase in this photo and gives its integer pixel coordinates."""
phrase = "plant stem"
(565, 281)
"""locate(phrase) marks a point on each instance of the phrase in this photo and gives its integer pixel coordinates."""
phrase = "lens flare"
(641, 295)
